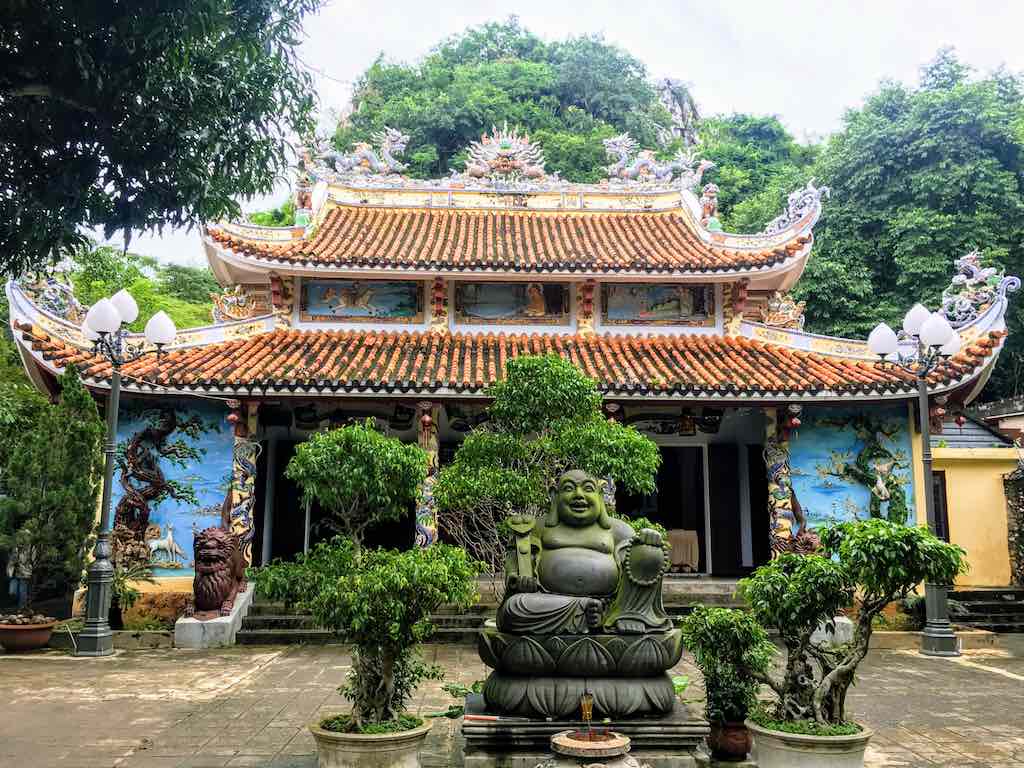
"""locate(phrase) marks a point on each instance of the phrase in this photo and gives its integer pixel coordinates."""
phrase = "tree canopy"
(137, 115)
(568, 95)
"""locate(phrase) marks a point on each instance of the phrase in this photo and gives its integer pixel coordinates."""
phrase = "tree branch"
(41, 91)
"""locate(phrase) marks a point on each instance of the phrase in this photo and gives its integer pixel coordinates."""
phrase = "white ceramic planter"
(775, 749)
(357, 750)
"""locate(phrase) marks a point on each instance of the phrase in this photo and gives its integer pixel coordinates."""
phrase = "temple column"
(426, 509)
(780, 485)
(242, 497)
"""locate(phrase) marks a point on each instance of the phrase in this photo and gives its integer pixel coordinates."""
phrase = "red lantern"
(960, 420)
(794, 423)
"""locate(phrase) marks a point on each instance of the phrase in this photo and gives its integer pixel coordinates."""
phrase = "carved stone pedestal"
(666, 741)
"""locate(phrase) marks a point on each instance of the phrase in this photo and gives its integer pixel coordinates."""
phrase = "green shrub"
(729, 647)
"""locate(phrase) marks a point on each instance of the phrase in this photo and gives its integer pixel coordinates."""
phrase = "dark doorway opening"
(678, 502)
(288, 534)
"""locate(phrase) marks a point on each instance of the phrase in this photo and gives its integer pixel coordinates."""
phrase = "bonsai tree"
(728, 646)
(868, 563)
(545, 418)
(50, 477)
(380, 602)
(360, 476)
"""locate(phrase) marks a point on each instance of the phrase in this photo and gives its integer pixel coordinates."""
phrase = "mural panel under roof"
(657, 304)
(388, 301)
(512, 303)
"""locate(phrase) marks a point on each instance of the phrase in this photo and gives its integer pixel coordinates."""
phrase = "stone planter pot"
(729, 741)
(16, 638)
(358, 750)
(775, 749)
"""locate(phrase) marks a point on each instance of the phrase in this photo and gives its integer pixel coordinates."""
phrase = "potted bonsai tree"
(50, 474)
(729, 646)
(867, 564)
(378, 601)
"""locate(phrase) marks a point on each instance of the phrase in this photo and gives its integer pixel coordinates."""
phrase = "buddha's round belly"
(578, 571)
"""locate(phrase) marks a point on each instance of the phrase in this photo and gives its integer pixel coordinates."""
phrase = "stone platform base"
(214, 633)
(668, 741)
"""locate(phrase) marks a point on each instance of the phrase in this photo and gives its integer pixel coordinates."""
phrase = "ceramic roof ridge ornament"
(363, 159)
(974, 289)
(582, 613)
(799, 203)
(633, 165)
(505, 155)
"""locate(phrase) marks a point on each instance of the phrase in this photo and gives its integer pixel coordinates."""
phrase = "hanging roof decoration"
(800, 203)
(633, 165)
(505, 156)
(974, 289)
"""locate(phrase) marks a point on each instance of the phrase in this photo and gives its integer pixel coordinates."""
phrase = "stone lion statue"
(220, 573)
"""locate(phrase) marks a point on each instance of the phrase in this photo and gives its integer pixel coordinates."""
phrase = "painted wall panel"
(853, 463)
(174, 469)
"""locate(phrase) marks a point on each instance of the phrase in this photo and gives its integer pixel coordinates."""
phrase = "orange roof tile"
(517, 241)
(340, 361)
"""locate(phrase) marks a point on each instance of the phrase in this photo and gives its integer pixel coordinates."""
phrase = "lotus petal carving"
(586, 657)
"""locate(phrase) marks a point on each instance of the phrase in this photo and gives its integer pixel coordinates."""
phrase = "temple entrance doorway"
(293, 529)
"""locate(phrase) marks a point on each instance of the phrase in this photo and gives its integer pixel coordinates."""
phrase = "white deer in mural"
(167, 545)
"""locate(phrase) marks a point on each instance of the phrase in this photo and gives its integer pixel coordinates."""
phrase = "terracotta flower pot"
(729, 741)
(360, 750)
(16, 638)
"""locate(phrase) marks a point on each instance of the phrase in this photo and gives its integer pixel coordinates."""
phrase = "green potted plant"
(378, 601)
(50, 474)
(124, 593)
(867, 564)
(728, 645)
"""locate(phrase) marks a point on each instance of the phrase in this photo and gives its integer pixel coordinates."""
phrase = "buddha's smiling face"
(578, 499)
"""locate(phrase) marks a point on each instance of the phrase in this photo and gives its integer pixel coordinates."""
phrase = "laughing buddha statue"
(582, 613)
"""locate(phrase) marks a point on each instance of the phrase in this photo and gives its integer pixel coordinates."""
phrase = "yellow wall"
(977, 509)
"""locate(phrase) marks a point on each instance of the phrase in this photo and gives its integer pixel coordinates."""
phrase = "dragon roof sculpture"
(974, 289)
(641, 166)
(363, 159)
(799, 203)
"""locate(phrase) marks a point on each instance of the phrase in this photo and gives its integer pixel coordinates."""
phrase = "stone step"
(287, 621)
(285, 637)
(991, 606)
(996, 626)
(988, 593)
(262, 607)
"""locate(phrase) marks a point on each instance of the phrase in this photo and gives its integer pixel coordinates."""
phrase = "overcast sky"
(806, 62)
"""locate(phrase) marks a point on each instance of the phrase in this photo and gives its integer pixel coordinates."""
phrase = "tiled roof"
(344, 361)
(518, 241)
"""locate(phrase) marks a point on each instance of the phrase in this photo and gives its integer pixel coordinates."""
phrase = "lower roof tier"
(368, 362)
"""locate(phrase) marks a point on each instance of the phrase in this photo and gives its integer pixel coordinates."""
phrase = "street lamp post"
(927, 340)
(104, 326)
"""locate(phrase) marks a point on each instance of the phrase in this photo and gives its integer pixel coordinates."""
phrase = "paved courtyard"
(248, 706)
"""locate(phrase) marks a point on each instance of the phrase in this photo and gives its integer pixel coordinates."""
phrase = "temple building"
(398, 299)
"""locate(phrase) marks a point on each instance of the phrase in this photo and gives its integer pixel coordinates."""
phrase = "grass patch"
(343, 724)
(804, 727)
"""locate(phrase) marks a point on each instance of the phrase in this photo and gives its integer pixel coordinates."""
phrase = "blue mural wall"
(849, 464)
(174, 466)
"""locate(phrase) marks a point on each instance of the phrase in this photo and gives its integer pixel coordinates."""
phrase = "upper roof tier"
(505, 214)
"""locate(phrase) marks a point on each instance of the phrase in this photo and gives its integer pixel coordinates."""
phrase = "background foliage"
(136, 115)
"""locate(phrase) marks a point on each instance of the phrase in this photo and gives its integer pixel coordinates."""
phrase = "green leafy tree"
(569, 95)
(545, 418)
(180, 291)
(919, 177)
(143, 114)
(869, 564)
(51, 475)
(358, 475)
(282, 216)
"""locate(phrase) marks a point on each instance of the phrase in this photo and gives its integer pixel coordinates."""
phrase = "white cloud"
(806, 62)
